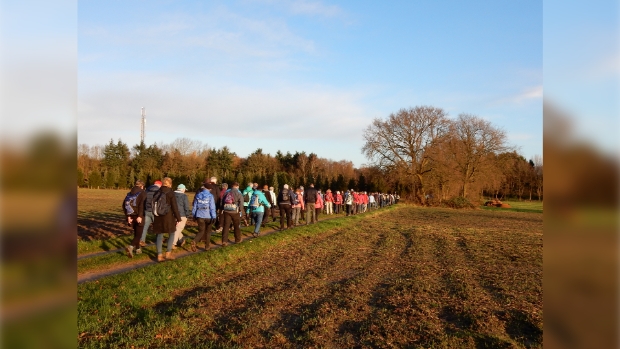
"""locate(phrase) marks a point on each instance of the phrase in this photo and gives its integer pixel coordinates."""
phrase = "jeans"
(310, 213)
(149, 218)
(160, 240)
(296, 214)
(258, 218)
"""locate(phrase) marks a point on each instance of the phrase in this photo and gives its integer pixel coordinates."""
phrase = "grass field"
(519, 206)
(400, 277)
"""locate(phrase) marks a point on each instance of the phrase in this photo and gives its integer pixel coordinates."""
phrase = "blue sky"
(304, 75)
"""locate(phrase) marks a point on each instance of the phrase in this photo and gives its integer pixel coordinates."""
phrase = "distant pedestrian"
(247, 194)
(232, 208)
(329, 202)
(148, 210)
(133, 206)
(318, 205)
(286, 199)
(256, 208)
(338, 202)
(297, 207)
(184, 210)
(204, 213)
(165, 223)
(271, 202)
(310, 199)
(274, 200)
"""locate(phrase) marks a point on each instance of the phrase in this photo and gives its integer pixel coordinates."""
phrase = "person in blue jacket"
(256, 207)
(204, 214)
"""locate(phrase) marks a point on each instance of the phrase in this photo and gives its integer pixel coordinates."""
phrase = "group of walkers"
(221, 209)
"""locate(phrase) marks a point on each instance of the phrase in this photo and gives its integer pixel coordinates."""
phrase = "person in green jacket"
(256, 207)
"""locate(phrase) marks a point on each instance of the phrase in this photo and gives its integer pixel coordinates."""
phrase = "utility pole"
(142, 125)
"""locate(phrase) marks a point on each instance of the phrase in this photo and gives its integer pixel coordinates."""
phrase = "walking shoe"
(129, 250)
(160, 258)
(224, 244)
(193, 246)
(142, 243)
(138, 251)
(174, 247)
(182, 241)
(169, 256)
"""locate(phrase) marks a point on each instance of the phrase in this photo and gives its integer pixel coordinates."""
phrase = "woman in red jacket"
(338, 202)
(329, 202)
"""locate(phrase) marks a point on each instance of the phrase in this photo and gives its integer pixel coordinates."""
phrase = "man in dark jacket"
(271, 203)
(310, 200)
(133, 206)
(285, 201)
(232, 213)
(167, 223)
(148, 210)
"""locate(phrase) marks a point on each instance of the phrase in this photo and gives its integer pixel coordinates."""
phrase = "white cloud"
(535, 92)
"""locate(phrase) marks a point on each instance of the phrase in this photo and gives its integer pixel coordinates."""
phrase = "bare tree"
(472, 141)
(403, 142)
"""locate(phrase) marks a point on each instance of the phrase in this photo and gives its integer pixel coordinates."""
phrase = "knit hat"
(158, 183)
(286, 186)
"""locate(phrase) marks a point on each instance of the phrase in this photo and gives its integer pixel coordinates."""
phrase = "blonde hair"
(167, 182)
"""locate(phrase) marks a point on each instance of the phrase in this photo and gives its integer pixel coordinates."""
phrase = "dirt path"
(136, 264)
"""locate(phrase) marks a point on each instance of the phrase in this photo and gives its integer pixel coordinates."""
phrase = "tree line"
(419, 153)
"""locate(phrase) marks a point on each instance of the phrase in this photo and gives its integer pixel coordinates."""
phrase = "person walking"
(232, 206)
(274, 200)
(165, 223)
(286, 199)
(184, 210)
(272, 204)
(247, 194)
(256, 208)
(133, 206)
(318, 205)
(371, 202)
(329, 202)
(310, 199)
(148, 210)
(297, 206)
(348, 200)
(214, 189)
(338, 201)
(204, 213)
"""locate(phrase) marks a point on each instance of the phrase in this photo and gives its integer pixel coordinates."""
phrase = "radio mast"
(142, 125)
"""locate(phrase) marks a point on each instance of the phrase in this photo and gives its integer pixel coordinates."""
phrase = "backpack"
(294, 199)
(131, 203)
(246, 196)
(229, 201)
(255, 202)
(349, 199)
(285, 195)
(160, 204)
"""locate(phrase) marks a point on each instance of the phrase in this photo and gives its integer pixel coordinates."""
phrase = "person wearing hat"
(337, 202)
(149, 218)
(183, 204)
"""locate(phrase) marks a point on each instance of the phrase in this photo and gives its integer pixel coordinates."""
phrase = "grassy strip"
(519, 206)
(120, 257)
